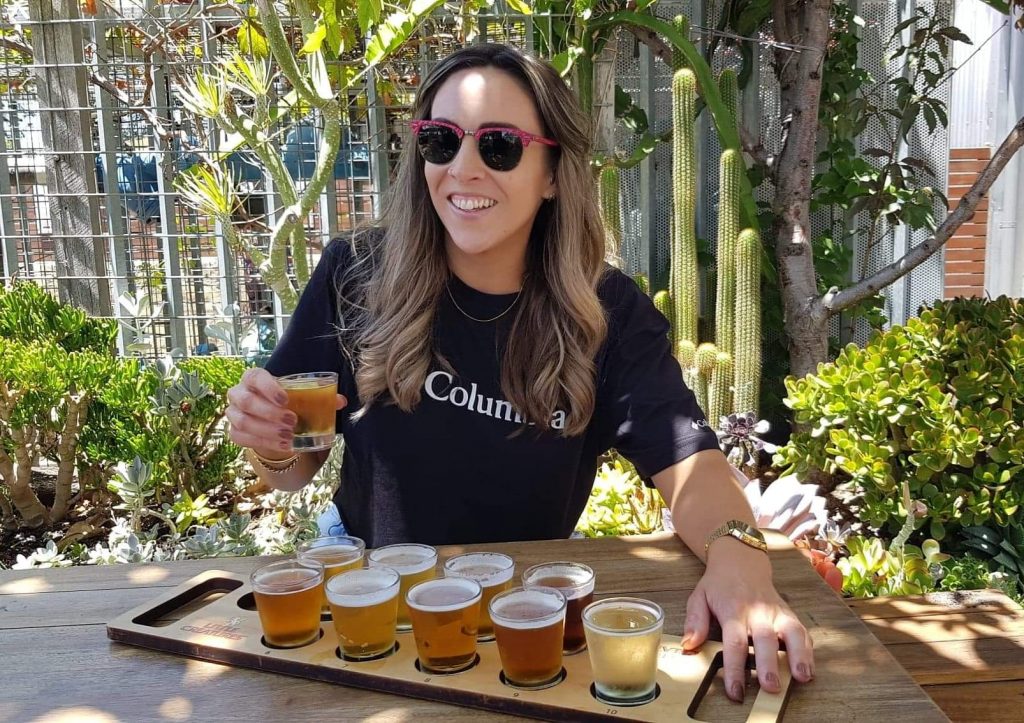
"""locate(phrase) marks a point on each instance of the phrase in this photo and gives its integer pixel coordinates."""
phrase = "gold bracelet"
(747, 534)
(268, 464)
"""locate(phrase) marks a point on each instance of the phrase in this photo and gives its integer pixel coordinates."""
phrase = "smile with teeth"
(475, 203)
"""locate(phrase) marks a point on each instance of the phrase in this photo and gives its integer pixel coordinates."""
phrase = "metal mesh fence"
(116, 76)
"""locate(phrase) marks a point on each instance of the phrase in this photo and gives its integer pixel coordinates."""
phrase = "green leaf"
(368, 13)
(315, 39)
(520, 7)
(251, 40)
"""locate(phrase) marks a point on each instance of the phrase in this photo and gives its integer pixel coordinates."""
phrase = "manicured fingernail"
(773, 681)
(737, 692)
(284, 433)
(805, 671)
(290, 419)
(281, 398)
(285, 445)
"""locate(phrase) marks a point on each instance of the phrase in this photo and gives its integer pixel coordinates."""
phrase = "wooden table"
(57, 664)
(965, 648)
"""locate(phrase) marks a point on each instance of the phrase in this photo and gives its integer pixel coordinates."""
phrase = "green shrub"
(938, 403)
(29, 314)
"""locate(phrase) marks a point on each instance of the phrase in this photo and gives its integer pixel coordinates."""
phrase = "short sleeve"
(651, 416)
(310, 341)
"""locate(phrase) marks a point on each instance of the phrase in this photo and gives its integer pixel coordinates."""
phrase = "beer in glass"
(312, 396)
(528, 624)
(444, 615)
(337, 554)
(288, 598)
(576, 582)
(494, 573)
(415, 563)
(364, 608)
(624, 635)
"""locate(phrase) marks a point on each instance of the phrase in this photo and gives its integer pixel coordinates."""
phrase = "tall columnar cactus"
(729, 89)
(705, 360)
(663, 303)
(682, 24)
(610, 213)
(719, 396)
(731, 168)
(748, 321)
(683, 280)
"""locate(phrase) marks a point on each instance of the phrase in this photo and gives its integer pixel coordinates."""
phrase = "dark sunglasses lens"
(437, 144)
(501, 150)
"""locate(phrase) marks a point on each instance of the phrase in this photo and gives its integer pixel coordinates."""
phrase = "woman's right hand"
(258, 416)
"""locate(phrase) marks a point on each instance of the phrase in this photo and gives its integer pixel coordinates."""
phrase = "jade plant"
(938, 403)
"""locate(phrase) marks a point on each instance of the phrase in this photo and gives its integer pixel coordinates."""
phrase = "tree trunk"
(77, 409)
(70, 163)
(603, 102)
(799, 72)
(17, 475)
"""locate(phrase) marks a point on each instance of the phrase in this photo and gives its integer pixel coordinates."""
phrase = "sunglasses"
(501, 149)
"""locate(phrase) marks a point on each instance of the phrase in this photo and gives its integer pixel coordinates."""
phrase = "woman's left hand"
(737, 590)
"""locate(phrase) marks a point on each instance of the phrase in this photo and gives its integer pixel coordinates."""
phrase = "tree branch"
(834, 302)
(657, 46)
(17, 47)
(756, 150)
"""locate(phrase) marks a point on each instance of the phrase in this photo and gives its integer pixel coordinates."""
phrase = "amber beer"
(364, 609)
(528, 624)
(312, 396)
(444, 617)
(576, 582)
(415, 563)
(493, 571)
(288, 602)
(624, 635)
(336, 553)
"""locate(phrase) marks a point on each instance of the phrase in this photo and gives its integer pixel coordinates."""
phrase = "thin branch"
(756, 150)
(652, 40)
(17, 47)
(835, 301)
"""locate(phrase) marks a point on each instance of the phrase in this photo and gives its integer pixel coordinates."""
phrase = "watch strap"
(740, 530)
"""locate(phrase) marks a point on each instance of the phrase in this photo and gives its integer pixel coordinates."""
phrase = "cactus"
(643, 283)
(729, 89)
(705, 365)
(748, 321)
(725, 254)
(682, 26)
(719, 394)
(683, 280)
(663, 303)
(610, 212)
(686, 353)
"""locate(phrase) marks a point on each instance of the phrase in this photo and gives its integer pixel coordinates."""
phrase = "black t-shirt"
(454, 471)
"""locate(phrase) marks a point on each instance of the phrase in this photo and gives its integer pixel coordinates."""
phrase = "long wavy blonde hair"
(559, 324)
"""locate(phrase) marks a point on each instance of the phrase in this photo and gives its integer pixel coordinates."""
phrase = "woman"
(487, 356)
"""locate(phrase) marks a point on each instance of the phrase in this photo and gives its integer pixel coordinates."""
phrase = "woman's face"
(488, 214)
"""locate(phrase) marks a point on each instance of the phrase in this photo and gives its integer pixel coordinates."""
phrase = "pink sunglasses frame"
(525, 137)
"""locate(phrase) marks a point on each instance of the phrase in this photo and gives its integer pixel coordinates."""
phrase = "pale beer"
(576, 582)
(493, 571)
(444, 618)
(415, 563)
(364, 609)
(337, 554)
(528, 625)
(288, 598)
(624, 636)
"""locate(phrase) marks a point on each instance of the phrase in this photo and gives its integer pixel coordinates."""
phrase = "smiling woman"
(487, 356)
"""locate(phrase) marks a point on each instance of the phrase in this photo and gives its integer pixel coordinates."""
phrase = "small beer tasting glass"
(528, 624)
(288, 596)
(312, 397)
(623, 637)
(415, 563)
(493, 571)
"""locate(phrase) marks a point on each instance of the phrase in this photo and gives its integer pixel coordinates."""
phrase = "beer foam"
(576, 580)
(406, 559)
(526, 609)
(362, 588)
(444, 594)
(285, 582)
(487, 568)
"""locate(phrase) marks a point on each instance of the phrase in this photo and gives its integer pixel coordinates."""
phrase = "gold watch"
(747, 534)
